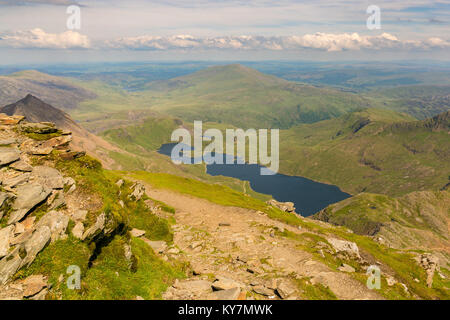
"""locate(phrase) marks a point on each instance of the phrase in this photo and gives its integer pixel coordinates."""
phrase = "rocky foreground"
(59, 208)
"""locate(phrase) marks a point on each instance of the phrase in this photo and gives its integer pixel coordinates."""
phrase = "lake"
(308, 196)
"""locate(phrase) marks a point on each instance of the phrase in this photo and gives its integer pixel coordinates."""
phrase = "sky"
(46, 31)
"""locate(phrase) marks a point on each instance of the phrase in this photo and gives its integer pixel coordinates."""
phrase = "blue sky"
(36, 30)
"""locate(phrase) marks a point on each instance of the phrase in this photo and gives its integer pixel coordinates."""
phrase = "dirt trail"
(236, 243)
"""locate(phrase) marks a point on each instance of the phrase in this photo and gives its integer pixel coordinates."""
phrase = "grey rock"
(137, 233)
(8, 155)
(40, 128)
(229, 294)
(120, 183)
(56, 199)
(4, 199)
(223, 283)
(40, 238)
(283, 206)
(96, 228)
(79, 215)
(284, 290)
(28, 196)
(56, 221)
(346, 268)
(21, 166)
(157, 246)
(49, 177)
(5, 237)
(69, 181)
(9, 265)
(78, 230)
(195, 286)
(17, 180)
(262, 290)
(7, 141)
(138, 191)
(347, 248)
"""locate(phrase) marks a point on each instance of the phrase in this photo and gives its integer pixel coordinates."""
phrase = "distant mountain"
(245, 97)
(35, 110)
(373, 150)
(57, 91)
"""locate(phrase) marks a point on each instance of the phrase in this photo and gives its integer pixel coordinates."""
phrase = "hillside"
(35, 110)
(418, 220)
(57, 91)
(145, 235)
(372, 150)
(246, 98)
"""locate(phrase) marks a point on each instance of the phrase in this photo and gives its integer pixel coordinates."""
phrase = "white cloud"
(38, 38)
(318, 41)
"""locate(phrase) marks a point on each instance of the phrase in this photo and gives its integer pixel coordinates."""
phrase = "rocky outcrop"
(283, 206)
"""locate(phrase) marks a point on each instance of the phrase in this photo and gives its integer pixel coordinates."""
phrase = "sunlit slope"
(247, 98)
(372, 150)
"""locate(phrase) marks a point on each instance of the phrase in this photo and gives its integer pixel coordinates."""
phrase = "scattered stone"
(173, 251)
(56, 199)
(139, 298)
(121, 203)
(283, 206)
(10, 120)
(391, 281)
(19, 179)
(7, 141)
(346, 268)
(78, 230)
(48, 177)
(39, 128)
(56, 221)
(40, 238)
(28, 196)
(284, 290)
(137, 233)
(224, 224)
(138, 191)
(68, 181)
(33, 285)
(430, 264)
(71, 155)
(194, 286)
(5, 235)
(195, 245)
(21, 166)
(262, 290)
(8, 155)
(79, 215)
(228, 294)
(223, 283)
(96, 228)
(346, 248)
(9, 265)
(120, 183)
(157, 246)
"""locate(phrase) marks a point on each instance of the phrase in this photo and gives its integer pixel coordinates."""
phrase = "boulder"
(10, 120)
(49, 177)
(57, 142)
(430, 264)
(17, 180)
(78, 230)
(39, 128)
(28, 196)
(5, 237)
(138, 191)
(194, 286)
(284, 290)
(4, 199)
(79, 215)
(9, 265)
(40, 238)
(7, 141)
(56, 221)
(346, 268)
(137, 233)
(96, 228)
(223, 283)
(33, 285)
(347, 249)
(229, 294)
(262, 290)
(56, 199)
(21, 166)
(283, 206)
(157, 246)
(8, 155)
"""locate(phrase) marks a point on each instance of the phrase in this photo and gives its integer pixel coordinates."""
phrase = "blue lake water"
(308, 196)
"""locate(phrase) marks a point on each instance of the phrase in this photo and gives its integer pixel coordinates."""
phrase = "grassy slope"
(381, 157)
(417, 220)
